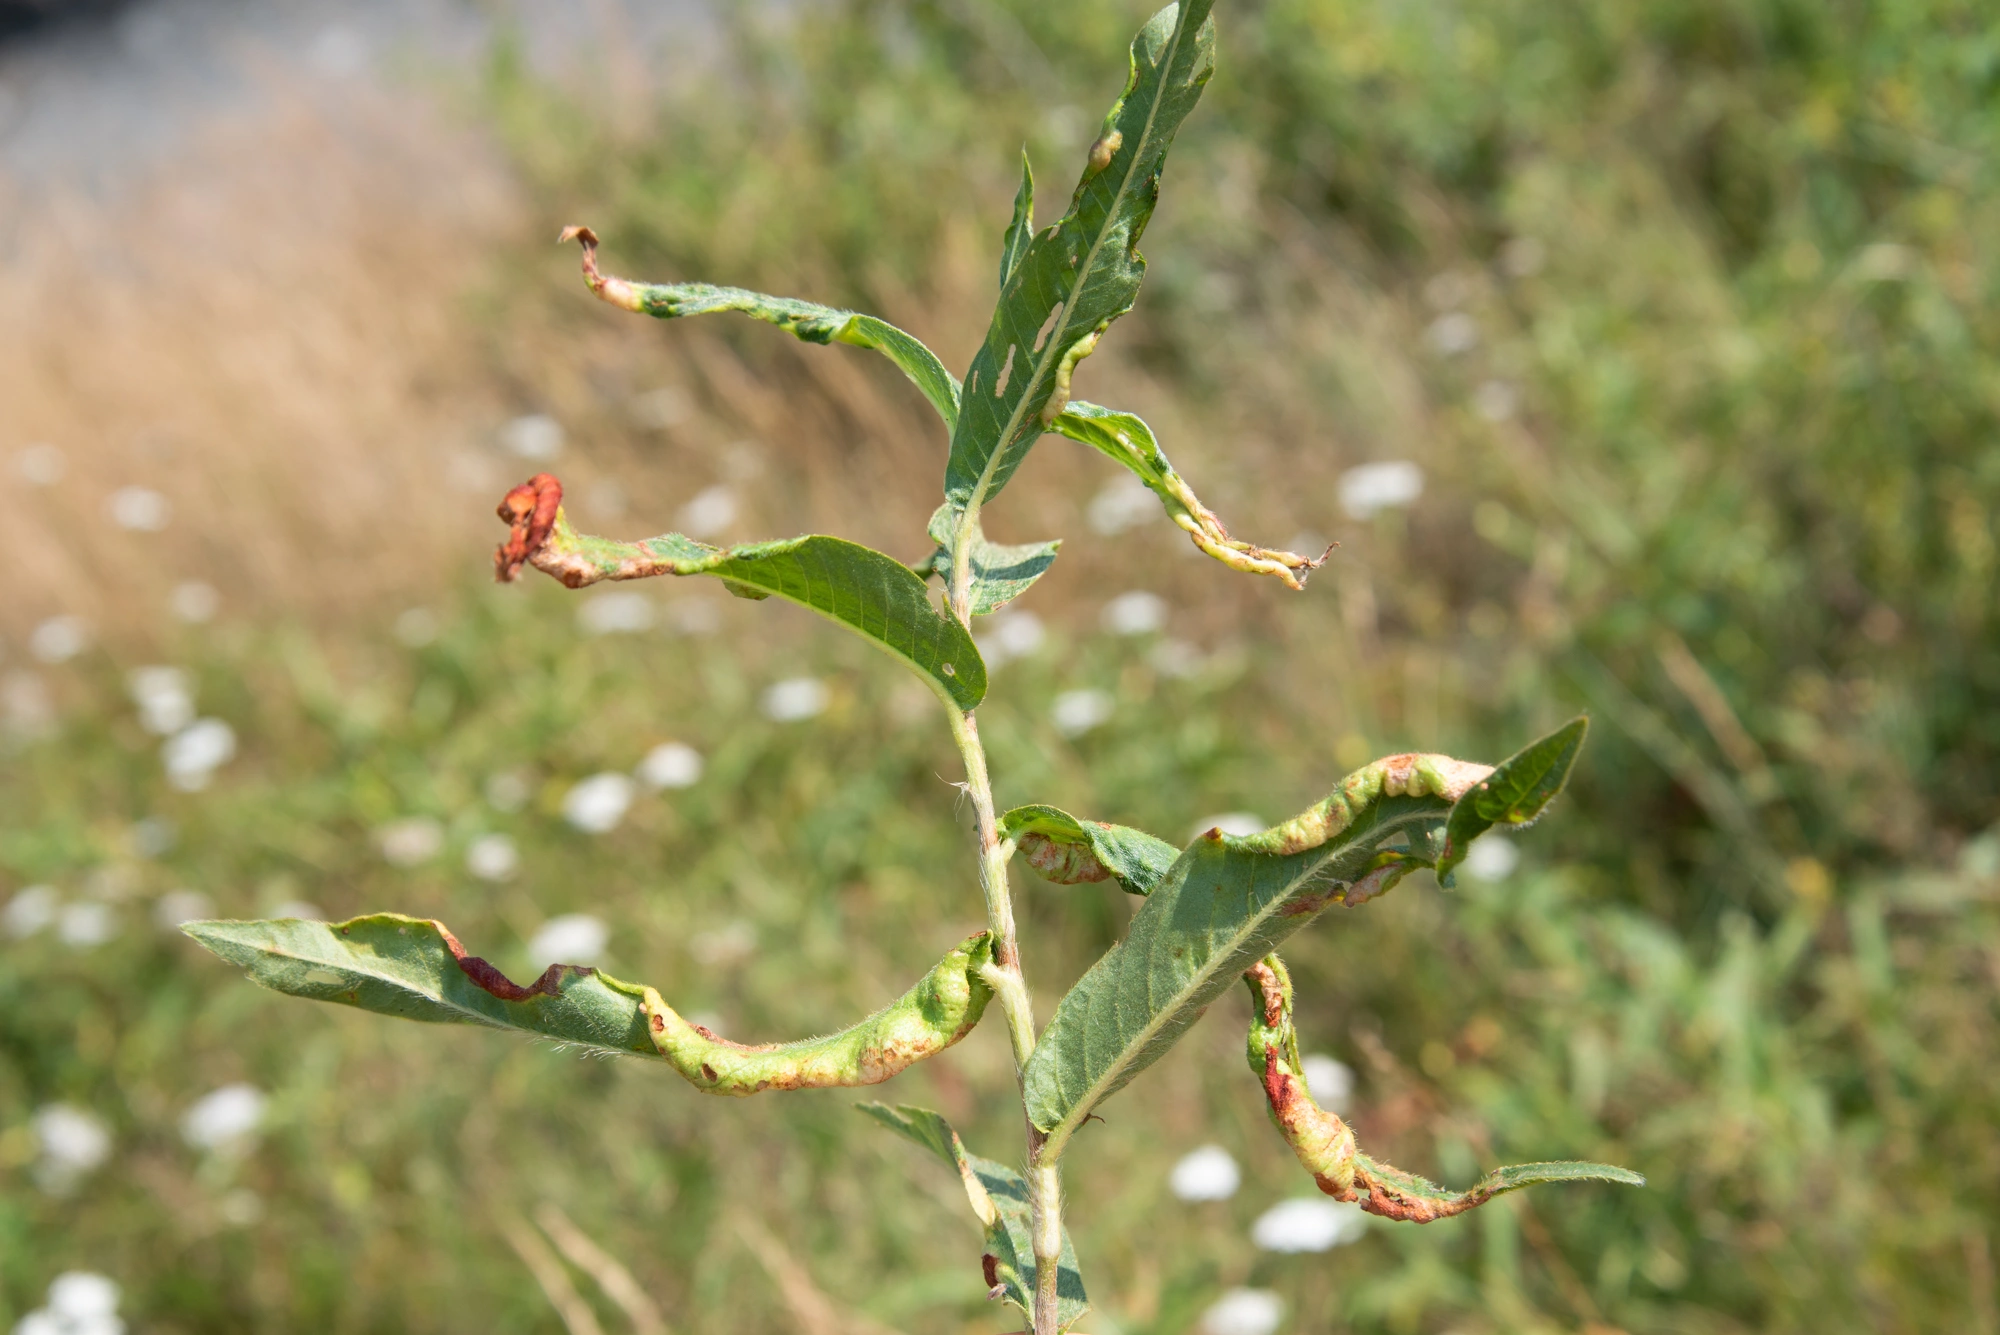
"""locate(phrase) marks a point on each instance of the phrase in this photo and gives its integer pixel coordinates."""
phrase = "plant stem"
(1044, 1180)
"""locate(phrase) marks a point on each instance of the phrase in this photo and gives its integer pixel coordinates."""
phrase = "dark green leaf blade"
(1001, 572)
(1225, 904)
(1517, 791)
(414, 969)
(866, 590)
(999, 1197)
(1084, 271)
(1068, 851)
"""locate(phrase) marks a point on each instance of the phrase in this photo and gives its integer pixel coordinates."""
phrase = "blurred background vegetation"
(1686, 311)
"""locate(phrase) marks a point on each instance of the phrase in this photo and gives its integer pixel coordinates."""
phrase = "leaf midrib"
(1056, 347)
(1058, 1135)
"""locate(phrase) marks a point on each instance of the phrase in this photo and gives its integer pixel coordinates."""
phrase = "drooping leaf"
(1001, 572)
(1068, 851)
(1020, 228)
(1324, 1145)
(863, 589)
(999, 1197)
(415, 969)
(805, 320)
(1227, 902)
(1082, 272)
(1517, 792)
(1127, 439)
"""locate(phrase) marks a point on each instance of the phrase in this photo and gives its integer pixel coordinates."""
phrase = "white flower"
(1077, 712)
(1389, 485)
(671, 765)
(1244, 1312)
(298, 908)
(81, 926)
(41, 465)
(408, 842)
(193, 754)
(711, 512)
(1453, 334)
(79, 1303)
(492, 857)
(73, 1141)
(31, 910)
(532, 436)
(165, 700)
(1135, 613)
(598, 803)
(179, 906)
(1238, 823)
(59, 639)
(618, 612)
(194, 602)
(1008, 635)
(569, 938)
(1491, 859)
(795, 698)
(1329, 1080)
(1207, 1174)
(139, 509)
(1308, 1224)
(1123, 502)
(416, 627)
(224, 1119)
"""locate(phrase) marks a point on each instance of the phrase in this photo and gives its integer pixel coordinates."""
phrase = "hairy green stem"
(1004, 977)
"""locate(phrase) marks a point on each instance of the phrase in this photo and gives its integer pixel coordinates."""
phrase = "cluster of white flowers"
(72, 1143)
(1009, 635)
(1076, 712)
(226, 1120)
(79, 924)
(569, 938)
(795, 699)
(79, 1303)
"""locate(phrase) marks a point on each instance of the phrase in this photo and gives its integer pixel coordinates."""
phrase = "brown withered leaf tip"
(499, 984)
(530, 512)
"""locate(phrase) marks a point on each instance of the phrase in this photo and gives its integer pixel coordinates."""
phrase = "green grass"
(1742, 512)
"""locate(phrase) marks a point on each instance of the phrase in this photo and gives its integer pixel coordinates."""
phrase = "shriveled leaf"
(1324, 1144)
(1226, 902)
(415, 969)
(1127, 439)
(863, 589)
(1082, 272)
(804, 320)
(999, 1196)
(1001, 572)
(1068, 851)
(1517, 792)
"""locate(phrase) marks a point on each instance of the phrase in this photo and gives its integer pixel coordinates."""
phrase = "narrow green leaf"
(1517, 792)
(999, 1196)
(1225, 903)
(1084, 271)
(1068, 851)
(863, 589)
(414, 968)
(804, 320)
(1126, 438)
(1001, 572)
(1021, 228)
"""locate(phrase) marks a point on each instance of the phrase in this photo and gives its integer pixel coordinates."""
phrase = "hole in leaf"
(1006, 370)
(1047, 325)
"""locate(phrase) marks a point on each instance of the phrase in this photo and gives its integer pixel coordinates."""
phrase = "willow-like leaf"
(804, 320)
(1126, 438)
(1001, 572)
(1324, 1145)
(415, 969)
(1069, 851)
(1082, 272)
(1515, 794)
(999, 1197)
(1227, 902)
(1021, 227)
(863, 589)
